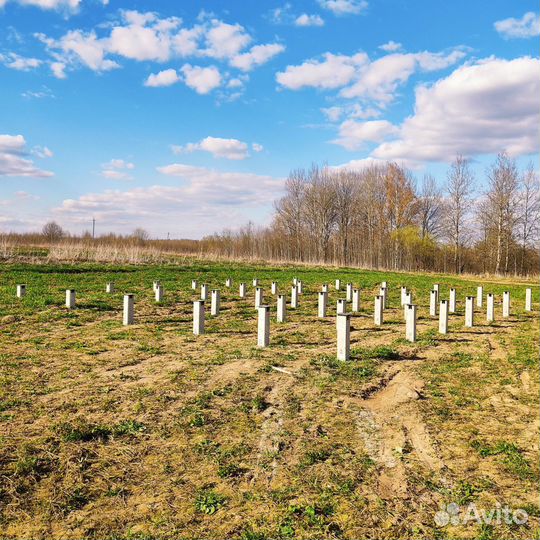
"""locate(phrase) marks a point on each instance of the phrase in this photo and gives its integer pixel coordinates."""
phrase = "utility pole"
(93, 228)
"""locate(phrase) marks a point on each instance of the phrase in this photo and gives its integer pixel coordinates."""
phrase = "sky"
(185, 118)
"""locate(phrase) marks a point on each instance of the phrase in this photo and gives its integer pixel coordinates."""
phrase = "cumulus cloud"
(358, 77)
(225, 40)
(70, 5)
(202, 79)
(42, 152)
(217, 146)
(205, 197)
(481, 108)
(257, 55)
(344, 7)
(334, 71)
(14, 159)
(146, 37)
(20, 63)
(167, 77)
(390, 46)
(116, 169)
(353, 135)
(257, 147)
(309, 20)
(526, 27)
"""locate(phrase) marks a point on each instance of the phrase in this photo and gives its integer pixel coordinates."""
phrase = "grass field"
(147, 431)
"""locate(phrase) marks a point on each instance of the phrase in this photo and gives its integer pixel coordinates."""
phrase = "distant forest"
(380, 217)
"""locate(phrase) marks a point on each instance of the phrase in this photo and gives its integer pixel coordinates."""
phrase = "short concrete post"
(378, 314)
(436, 287)
(323, 303)
(407, 297)
(528, 299)
(155, 285)
(228, 282)
(198, 317)
(384, 285)
(295, 281)
(281, 308)
(506, 304)
(194, 284)
(348, 295)
(433, 303)
(338, 284)
(300, 287)
(255, 282)
(294, 296)
(443, 317)
(21, 291)
(410, 322)
(343, 327)
(159, 293)
(469, 311)
(109, 288)
(128, 315)
(324, 287)
(263, 326)
(356, 300)
(242, 290)
(70, 298)
(341, 306)
(274, 287)
(204, 292)
(259, 296)
(452, 301)
(383, 292)
(490, 307)
(479, 295)
(403, 293)
(215, 302)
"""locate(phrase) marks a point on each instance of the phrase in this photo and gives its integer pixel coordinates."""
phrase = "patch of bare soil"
(390, 425)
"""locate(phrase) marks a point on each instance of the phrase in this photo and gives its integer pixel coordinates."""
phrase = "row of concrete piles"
(442, 308)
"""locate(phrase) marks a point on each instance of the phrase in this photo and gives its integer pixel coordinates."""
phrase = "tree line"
(383, 217)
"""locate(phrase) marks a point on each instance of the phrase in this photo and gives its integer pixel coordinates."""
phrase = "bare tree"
(52, 231)
(346, 186)
(459, 189)
(430, 207)
(140, 235)
(503, 182)
(529, 217)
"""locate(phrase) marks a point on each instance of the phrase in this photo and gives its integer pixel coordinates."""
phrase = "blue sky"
(185, 117)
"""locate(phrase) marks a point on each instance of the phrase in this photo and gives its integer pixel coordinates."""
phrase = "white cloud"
(333, 72)
(42, 152)
(186, 41)
(20, 63)
(309, 20)
(14, 160)
(257, 55)
(218, 147)
(375, 81)
(70, 5)
(526, 27)
(333, 114)
(353, 135)
(201, 79)
(162, 78)
(391, 46)
(225, 40)
(45, 92)
(204, 201)
(482, 108)
(116, 169)
(257, 147)
(344, 7)
(379, 80)
(88, 49)
(59, 69)
(144, 38)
